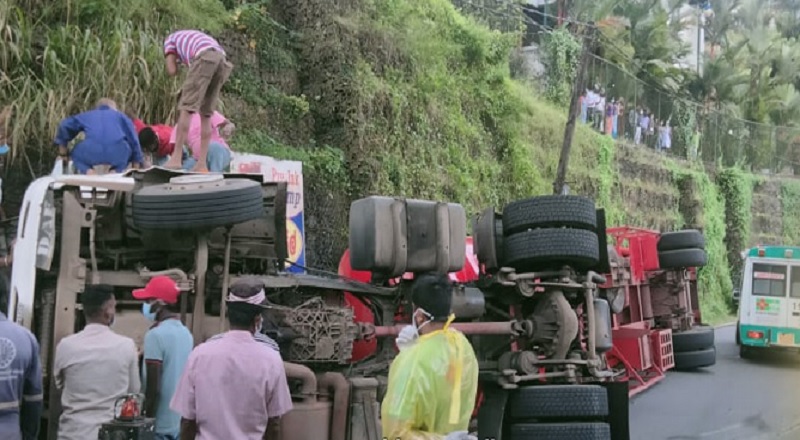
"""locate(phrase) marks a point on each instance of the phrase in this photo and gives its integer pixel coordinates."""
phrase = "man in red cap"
(167, 346)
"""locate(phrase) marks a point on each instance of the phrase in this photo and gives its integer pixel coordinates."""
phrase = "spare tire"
(197, 202)
(686, 239)
(552, 248)
(682, 258)
(549, 212)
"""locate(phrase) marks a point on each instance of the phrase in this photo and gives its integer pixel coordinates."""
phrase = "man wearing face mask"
(167, 346)
(93, 368)
(433, 381)
(234, 387)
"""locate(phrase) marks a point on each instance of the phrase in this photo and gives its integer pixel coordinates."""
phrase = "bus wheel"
(738, 336)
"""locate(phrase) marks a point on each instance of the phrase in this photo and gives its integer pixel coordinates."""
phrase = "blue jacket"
(106, 131)
(20, 382)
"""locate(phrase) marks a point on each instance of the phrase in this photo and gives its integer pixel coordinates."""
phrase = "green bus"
(769, 300)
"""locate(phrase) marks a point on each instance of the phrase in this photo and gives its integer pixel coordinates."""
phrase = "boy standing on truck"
(167, 346)
(234, 387)
(218, 158)
(432, 383)
(20, 379)
(208, 71)
(93, 368)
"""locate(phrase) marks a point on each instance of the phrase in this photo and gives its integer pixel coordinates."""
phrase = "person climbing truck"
(208, 71)
(110, 139)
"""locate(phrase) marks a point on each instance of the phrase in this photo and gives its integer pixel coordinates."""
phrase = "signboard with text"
(290, 172)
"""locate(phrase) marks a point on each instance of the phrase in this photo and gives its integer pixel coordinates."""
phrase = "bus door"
(767, 303)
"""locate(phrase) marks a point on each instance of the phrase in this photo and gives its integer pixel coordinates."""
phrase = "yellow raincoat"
(432, 387)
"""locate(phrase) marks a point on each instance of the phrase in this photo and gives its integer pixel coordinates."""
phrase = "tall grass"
(52, 68)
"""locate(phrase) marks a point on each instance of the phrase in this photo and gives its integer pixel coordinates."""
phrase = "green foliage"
(736, 188)
(714, 280)
(208, 15)
(562, 52)
(615, 214)
(790, 202)
(53, 71)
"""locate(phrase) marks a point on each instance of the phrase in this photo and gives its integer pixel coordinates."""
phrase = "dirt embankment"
(647, 189)
(767, 221)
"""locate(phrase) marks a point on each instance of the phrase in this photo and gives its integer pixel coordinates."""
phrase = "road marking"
(727, 324)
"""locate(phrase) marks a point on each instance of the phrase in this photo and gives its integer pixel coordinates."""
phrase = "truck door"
(768, 299)
(793, 306)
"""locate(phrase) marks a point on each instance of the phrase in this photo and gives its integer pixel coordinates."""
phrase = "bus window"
(795, 290)
(769, 280)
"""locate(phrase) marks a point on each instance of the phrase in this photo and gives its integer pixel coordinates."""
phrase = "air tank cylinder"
(602, 326)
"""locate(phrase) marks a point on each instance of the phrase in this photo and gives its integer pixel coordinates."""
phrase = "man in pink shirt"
(234, 387)
(219, 153)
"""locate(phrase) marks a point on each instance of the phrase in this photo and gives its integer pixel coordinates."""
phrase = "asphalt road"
(735, 399)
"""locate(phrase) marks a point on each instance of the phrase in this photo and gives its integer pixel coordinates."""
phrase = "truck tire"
(549, 212)
(220, 203)
(699, 337)
(686, 239)
(682, 258)
(543, 401)
(689, 360)
(552, 248)
(561, 431)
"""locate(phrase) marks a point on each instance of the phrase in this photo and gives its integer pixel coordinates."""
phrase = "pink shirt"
(231, 386)
(193, 137)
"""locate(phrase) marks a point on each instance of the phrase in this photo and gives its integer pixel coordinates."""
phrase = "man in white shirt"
(93, 368)
(600, 111)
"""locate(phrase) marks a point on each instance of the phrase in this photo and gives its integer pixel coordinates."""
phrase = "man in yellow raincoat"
(434, 379)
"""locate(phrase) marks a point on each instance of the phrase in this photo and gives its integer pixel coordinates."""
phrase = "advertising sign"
(290, 172)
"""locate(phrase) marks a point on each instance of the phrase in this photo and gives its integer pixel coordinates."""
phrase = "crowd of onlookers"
(615, 118)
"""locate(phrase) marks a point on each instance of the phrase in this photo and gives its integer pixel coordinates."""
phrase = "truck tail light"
(762, 252)
(752, 334)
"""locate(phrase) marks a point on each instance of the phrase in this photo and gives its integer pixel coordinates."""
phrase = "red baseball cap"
(161, 287)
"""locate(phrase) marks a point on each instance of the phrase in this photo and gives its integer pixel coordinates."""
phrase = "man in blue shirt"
(110, 139)
(20, 379)
(167, 346)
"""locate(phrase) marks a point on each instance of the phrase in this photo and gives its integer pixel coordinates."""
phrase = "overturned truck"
(564, 327)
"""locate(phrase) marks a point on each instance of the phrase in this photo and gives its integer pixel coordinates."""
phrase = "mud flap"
(618, 410)
(490, 414)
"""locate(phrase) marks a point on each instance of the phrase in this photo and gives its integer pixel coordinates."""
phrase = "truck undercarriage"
(564, 327)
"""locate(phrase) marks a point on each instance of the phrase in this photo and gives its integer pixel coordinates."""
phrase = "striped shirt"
(187, 44)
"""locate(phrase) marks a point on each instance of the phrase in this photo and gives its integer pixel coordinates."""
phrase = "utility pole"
(559, 186)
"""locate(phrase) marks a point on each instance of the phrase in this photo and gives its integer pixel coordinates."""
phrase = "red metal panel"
(634, 345)
(640, 245)
(662, 349)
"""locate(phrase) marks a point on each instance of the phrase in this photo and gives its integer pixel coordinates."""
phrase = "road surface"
(733, 400)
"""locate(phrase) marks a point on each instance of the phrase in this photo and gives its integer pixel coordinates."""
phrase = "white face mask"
(417, 328)
(260, 325)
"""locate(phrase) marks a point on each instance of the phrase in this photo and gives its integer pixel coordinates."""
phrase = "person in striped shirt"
(208, 71)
